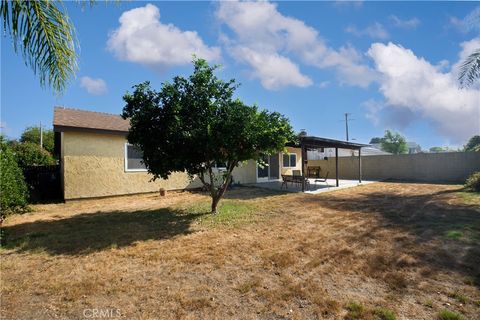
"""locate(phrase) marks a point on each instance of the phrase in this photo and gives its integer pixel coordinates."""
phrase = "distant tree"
(394, 142)
(32, 134)
(13, 190)
(473, 144)
(30, 154)
(376, 140)
(437, 149)
(194, 123)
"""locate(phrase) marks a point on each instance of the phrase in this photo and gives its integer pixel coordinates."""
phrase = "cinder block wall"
(423, 167)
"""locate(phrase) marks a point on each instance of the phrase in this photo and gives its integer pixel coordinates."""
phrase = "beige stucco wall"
(427, 167)
(298, 165)
(246, 172)
(94, 166)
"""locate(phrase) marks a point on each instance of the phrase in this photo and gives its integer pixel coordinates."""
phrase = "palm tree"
(44, 34)
(470, 69)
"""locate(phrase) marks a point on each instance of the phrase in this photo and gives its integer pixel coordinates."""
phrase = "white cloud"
(93, 86)
(324, 84)
(373, 108)
(468, 23)
(412, 85)
(273, 70)
(261, 31)
(407, 23)
(143, 38)
(374, 31)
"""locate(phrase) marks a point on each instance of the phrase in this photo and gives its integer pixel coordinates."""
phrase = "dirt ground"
(409, 249)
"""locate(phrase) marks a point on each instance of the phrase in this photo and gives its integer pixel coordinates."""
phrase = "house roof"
(71, 119)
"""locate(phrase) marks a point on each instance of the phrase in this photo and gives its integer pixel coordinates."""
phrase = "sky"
(390, 65)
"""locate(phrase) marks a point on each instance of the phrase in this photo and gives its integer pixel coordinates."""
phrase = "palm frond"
(46, 38)
(470, 69)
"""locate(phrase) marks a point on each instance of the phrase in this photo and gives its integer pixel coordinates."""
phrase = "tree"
(42, 31)
(376, 140)
(473, 144)
(470, 69)
(30, 154)
(32, 135)
(394, 143)
(194, 122)
(438, 149)
(14, 192)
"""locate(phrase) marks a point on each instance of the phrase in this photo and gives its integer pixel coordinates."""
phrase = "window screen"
(134, 159)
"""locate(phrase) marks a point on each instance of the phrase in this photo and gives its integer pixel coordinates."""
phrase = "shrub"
(473, 182)
(449, 315)
(13, 190)
(384, 314)
(30, 154)
(355, 311)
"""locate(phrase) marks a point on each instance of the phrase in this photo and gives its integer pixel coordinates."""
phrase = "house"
(413, 147)
(97, 161)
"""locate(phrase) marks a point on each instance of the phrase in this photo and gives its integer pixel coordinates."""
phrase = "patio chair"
(322, 180)
(297, 174)
(285, 180)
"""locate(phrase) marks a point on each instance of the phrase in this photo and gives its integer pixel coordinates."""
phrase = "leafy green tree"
(194, 122)
(32, 135)
(13, 190)
(30, 154)
(394, 142)
(376, 140)
(473, 144)
(44, 34)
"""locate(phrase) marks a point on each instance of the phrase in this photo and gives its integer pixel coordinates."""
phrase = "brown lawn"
(362, 253)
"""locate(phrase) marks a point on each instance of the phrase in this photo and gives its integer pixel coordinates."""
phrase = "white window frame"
(125, 159)
(289, 166)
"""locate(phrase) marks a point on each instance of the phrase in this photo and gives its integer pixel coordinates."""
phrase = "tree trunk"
(215, 202)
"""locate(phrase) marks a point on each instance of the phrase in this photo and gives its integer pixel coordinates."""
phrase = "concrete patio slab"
(314, 188)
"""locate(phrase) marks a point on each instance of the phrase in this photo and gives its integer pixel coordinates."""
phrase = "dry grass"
(407, 251)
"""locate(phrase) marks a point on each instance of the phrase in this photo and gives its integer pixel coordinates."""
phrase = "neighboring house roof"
(372, 151)
(68, 119)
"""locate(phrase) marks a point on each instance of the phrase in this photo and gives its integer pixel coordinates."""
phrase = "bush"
(30, 154)
(473, 182)
(13, 190)
(449, 315)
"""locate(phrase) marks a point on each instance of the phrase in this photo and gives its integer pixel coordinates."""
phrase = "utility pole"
(346, 123)
(41, 135)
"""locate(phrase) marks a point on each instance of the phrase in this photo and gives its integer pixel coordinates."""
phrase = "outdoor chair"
(322, 180)
(296, 176)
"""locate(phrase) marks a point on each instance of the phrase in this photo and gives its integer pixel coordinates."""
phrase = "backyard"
(379, 251)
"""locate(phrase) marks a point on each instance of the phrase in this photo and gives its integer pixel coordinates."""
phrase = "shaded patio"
(312, 143)
(313, 188)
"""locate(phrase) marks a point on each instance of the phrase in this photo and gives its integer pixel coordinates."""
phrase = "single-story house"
(97, 161)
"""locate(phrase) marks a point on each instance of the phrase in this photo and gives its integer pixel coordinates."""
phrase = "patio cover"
(312, 142)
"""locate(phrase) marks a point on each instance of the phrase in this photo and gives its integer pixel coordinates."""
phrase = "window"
(289, 160)
(133, 159)
(221, 165)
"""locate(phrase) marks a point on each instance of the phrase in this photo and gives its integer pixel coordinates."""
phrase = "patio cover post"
(304, 156)
(336, 164)
(360, 165)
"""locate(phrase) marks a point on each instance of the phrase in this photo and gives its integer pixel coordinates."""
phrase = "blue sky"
(392, 65)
